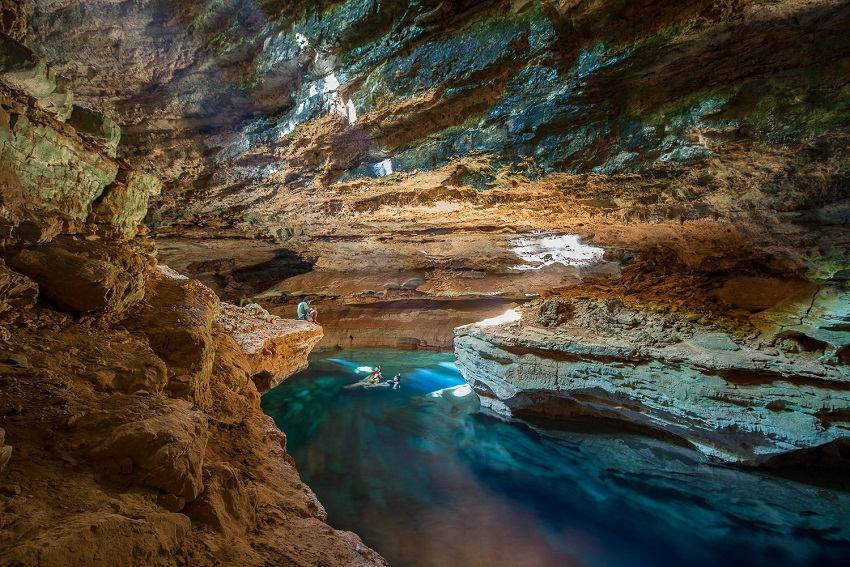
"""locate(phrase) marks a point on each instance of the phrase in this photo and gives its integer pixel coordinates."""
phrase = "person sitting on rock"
(307, 313)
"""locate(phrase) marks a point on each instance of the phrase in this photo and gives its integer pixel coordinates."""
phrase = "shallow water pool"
(428, 480)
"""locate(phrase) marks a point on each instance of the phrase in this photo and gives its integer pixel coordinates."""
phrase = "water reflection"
(429, 481)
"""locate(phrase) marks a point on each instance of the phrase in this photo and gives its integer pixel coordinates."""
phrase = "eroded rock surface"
(130, 427)
(388, 143)
(273, 346)
(230, 96)
(195, 474)
(741, 399)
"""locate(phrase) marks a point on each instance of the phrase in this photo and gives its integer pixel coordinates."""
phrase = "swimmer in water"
(375, 376)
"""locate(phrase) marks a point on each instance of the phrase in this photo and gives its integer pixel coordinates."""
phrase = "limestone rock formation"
(13, 19)
(424, 138)
(164, 451)
(182, 338)
(738, 400)
(85, 276)
(660, 188)
(274, 347)
(165, 474)
(132, 432)
(244, 94)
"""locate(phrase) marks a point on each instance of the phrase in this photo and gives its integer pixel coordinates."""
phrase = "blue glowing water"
(430, 481)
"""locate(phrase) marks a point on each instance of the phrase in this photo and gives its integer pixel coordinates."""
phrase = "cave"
(424, 283)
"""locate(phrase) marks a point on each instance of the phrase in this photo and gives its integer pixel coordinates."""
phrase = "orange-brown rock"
(164, 477)
(273, 347)
(86, 276)
(164, 450)
(131, 431)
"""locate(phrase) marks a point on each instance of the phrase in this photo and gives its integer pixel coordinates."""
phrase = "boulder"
(85, 277)
(164, 451)
(271, 348)
(16, 291)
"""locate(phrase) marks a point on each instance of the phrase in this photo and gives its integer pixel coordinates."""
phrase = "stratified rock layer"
(389, 143)
(197, 475)
(738, 400)
(227, 97)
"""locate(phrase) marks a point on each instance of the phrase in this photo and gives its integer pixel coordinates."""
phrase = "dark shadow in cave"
(255, 278)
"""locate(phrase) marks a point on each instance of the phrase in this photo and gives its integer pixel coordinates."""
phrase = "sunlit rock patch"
(540, 251)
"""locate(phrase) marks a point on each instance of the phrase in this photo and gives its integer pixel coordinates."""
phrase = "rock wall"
(746, 400)
(13, 18)
(131, 431)
(384, 143)
(403, 149)
(229, 101)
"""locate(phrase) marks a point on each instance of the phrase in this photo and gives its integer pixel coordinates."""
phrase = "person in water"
(394, 382)
(307, 313)
(375, 376)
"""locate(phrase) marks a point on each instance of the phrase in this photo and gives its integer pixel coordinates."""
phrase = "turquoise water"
(428, 480)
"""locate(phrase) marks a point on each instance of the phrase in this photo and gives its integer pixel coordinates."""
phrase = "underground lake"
(428, 479)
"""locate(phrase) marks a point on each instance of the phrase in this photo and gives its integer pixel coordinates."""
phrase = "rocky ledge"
(778, 396)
